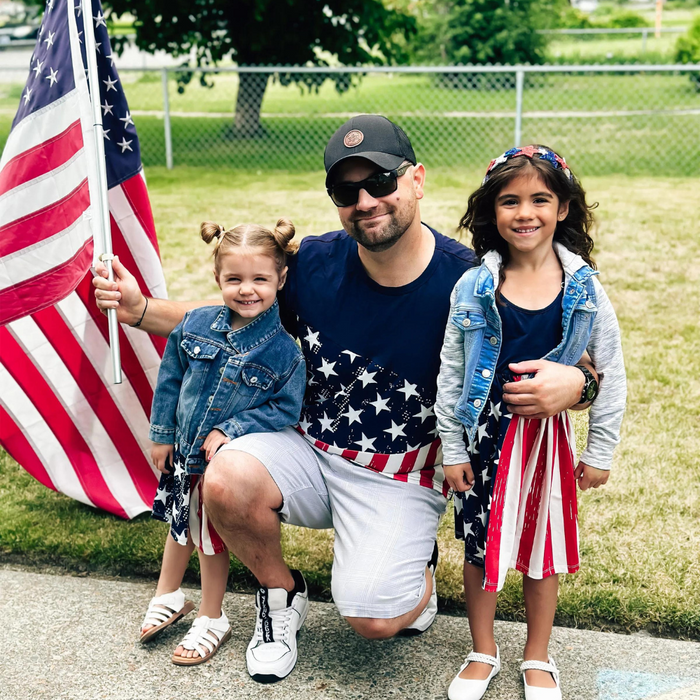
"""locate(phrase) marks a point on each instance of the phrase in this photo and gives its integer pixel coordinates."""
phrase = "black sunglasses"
(344, 194)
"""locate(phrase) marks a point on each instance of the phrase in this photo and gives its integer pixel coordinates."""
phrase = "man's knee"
(375, 628)
(235, 481)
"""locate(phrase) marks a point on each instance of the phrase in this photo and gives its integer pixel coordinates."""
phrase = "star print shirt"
(372, 355)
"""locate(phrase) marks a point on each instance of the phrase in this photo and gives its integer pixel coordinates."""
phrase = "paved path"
(73, 638)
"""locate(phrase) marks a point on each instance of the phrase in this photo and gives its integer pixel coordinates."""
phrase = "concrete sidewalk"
(66, 637)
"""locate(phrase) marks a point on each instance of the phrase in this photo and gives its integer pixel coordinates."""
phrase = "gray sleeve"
(450, 383)
(607, 410)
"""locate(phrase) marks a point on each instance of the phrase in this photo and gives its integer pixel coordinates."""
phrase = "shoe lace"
(280, 620)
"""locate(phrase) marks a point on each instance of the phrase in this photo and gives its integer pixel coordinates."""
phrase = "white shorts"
(385, 529)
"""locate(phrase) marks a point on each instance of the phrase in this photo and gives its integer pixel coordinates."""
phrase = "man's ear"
(418, 179)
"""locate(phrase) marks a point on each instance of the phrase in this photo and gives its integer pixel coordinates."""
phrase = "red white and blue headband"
(530, 151)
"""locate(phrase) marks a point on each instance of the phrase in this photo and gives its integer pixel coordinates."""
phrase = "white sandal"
(533, 692)
(205, 637)
(471, 689)
(163, 611)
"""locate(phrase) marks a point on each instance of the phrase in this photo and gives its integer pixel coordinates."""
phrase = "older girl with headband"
(227, 370)
(536, 294)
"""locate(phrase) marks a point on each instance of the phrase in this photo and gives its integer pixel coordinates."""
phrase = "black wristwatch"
(590, 385)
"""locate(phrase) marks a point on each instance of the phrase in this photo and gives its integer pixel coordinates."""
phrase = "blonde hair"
(276, 243)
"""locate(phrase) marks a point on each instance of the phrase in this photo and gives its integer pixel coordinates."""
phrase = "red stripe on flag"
(97, 395)
(131, 365)
(41, 159)
(47, 288)
(121, 248)
(378, 462)
(44, 223)
(137, 195)
(428, 473)
(350, 454)
(548, 558)
(568, 494)
(20, 449)
(41, 394)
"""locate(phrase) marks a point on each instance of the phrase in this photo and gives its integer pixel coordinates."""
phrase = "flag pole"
(101, 207)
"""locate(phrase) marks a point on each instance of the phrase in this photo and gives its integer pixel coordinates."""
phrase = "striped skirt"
(179, 502)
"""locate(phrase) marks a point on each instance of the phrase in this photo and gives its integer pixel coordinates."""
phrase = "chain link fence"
(605, 119)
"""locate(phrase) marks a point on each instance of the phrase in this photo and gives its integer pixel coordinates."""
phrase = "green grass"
(640, 540)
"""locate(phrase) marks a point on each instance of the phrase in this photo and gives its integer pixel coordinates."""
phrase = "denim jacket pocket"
(468, 319)
(256, 377)
(198, 349)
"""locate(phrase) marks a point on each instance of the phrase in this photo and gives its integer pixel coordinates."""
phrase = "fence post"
(166, 120)
(519, 75)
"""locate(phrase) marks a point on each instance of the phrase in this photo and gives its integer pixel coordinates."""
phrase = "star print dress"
(521, 511)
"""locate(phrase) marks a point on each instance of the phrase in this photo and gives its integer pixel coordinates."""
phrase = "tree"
(688, 50)
(484, 31)
(269, 32)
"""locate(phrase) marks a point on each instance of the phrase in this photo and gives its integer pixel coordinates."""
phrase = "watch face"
(591, 390)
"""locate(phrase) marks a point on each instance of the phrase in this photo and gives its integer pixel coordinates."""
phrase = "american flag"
(61, 417)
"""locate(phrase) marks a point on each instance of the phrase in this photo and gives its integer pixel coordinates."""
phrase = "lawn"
(640, 540)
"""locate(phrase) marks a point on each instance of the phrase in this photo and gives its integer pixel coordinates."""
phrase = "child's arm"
(449, 389)
(167, 393)
(282, 409)
(607, 410)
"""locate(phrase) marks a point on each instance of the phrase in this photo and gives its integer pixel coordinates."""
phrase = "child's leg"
(481, 611)
(540, 606)
(175, 560)
(214, 576)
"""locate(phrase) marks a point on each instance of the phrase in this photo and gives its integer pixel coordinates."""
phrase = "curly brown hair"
(572, 232)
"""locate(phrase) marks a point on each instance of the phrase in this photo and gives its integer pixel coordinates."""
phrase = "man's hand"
(162, 457)
(460, 477)
(123, 294)
(590, 477)
(213, 442)
(553, 389)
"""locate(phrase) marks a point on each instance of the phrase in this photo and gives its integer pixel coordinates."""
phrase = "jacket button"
(589, 304)
(477, 403)
(221, 370)
(253, 380)
(466, 323)
(197, 350)
(210, 399)
(486, 373)
(493, 340)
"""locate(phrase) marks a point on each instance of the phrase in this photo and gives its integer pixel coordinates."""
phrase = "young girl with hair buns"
(535, 295)
(227, 370)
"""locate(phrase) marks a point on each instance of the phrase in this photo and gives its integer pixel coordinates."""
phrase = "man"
(369, 304)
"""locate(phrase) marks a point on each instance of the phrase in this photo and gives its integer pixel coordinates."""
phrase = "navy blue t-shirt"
(372, 352)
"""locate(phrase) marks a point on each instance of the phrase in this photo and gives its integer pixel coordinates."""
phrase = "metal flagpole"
(101, 206)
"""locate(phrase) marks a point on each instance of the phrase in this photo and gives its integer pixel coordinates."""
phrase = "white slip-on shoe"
(533, 692)
(272, 652)
(468, 689)
(427, 617)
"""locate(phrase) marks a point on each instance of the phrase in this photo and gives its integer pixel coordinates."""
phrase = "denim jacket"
(237, 381)
(473, 341)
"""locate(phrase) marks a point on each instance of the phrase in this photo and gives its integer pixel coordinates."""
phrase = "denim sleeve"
(283, 408)
(167, 393)
(607, 410)
(450, 384)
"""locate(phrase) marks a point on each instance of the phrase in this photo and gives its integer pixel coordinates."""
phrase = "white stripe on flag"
(42, 125)
(43, 191)
(556, 502)
(147, 355)
(42, 439)
(139, 244)
(46, 255)
(59, 378)
(510, 505)
(97, 350)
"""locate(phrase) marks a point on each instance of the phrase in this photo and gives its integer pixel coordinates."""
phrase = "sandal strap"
(483, 659)
(205, 635)
(162, 608)
(534, 665)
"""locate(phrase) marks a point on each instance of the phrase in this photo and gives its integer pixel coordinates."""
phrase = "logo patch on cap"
(353, 138)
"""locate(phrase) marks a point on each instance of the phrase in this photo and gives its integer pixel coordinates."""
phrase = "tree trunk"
(251, 90)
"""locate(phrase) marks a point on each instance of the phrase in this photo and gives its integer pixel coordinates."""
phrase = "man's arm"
(124, 295)
(553, 389)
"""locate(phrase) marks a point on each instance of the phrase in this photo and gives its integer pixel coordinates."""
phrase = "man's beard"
(382, 239)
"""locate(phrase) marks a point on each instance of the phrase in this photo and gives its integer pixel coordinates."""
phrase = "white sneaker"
(272, 652)
(533, 692)
(468, 689)
(427, 617)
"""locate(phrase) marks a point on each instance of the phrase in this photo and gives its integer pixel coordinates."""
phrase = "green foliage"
(626, 19)
(483, 31)
(688, 45)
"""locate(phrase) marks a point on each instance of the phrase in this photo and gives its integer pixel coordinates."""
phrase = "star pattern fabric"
(172, 501)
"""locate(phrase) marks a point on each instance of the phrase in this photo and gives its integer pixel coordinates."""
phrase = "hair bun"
(283, 233)
(211, 230)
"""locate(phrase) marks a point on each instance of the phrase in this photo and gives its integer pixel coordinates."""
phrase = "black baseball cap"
(372, 137)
